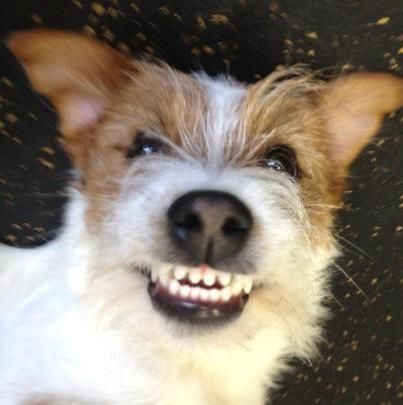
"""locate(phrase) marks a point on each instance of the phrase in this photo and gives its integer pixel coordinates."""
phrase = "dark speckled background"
(362, 357)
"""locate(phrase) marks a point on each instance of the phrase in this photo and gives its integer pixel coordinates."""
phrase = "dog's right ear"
(77, 73)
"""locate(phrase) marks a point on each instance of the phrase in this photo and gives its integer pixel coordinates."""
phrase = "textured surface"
(360, 359)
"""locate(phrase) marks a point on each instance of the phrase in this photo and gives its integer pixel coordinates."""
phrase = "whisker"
(339, 237)
(350, 279)
(335, 298)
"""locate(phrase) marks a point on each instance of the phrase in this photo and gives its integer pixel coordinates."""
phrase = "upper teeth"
(226, 285)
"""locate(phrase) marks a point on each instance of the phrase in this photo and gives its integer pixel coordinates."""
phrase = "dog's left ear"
(77, 73)
(353, 108)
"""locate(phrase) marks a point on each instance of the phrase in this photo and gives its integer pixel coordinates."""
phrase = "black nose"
(209, 225)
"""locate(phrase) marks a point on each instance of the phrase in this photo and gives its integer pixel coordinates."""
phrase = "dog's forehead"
(180, 106)
(213, 118)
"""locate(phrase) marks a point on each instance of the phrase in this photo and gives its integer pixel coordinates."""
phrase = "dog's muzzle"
(205, 227)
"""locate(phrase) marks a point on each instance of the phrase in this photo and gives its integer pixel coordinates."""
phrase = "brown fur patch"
(326, 124)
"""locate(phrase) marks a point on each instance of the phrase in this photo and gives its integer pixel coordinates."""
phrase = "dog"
(194, 258)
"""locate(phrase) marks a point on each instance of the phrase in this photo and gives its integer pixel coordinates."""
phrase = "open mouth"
(198, 293)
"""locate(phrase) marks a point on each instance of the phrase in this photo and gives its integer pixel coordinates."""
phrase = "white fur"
(76, 322)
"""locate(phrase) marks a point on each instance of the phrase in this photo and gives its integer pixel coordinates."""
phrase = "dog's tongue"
(199, 306)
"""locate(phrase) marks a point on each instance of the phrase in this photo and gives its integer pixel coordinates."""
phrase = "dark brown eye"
(145, 145)
(283, 159)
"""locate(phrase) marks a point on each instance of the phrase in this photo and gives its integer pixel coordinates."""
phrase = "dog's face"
(216, 198)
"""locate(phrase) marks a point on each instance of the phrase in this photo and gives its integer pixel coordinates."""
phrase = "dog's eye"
(145, 145)
(282, 159)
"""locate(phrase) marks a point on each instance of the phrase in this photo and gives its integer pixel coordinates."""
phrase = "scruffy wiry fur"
(76, 323)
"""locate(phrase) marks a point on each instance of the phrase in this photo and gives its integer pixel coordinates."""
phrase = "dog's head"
(215, 198)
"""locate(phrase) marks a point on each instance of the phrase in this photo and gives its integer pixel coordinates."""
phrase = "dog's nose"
(209, 225)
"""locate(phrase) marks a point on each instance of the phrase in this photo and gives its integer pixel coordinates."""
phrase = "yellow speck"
(197, 52)
(339, 368)
(48, 150)
(89, 30)
(374, 281)
(112, 12)
(8, 83)
(11, 238)
(16, 226)
(135, 7)
(219, 19)
(356, 378)
(200, 22)
(274, 7)
(388, 318)
(311, 52)
(78, 3)
(123, 47)
(11, 118)
(36, 19)
(150, 50)
(46, 163)
(400, 51)
(288, 42)
(109, 35)
(141, 37)
(208, 49)
(347, 67)
(383, 21)
(312, 35)
(165, 10)
(399, 228)
(98, 8)
(93, 19)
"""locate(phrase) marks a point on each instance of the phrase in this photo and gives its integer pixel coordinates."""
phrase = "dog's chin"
(196, 295)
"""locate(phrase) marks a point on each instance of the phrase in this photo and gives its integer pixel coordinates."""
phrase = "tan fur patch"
(310, 116)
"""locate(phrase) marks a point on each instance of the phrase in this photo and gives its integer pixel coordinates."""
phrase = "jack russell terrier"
(195, 252)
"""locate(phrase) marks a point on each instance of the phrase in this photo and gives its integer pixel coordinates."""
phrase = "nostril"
(190, 222)
(233, 226)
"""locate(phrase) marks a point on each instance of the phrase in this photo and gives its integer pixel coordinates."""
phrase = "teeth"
(165, 278)
(214, 295)
(174, 287)
(195, 293)
(180, 272)
(195, 276)
(204, 294)
(184, 291)
(224, 278)
(247, 284)
(226, 294)
(209, 277)
(230, 285)
(236, 286)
